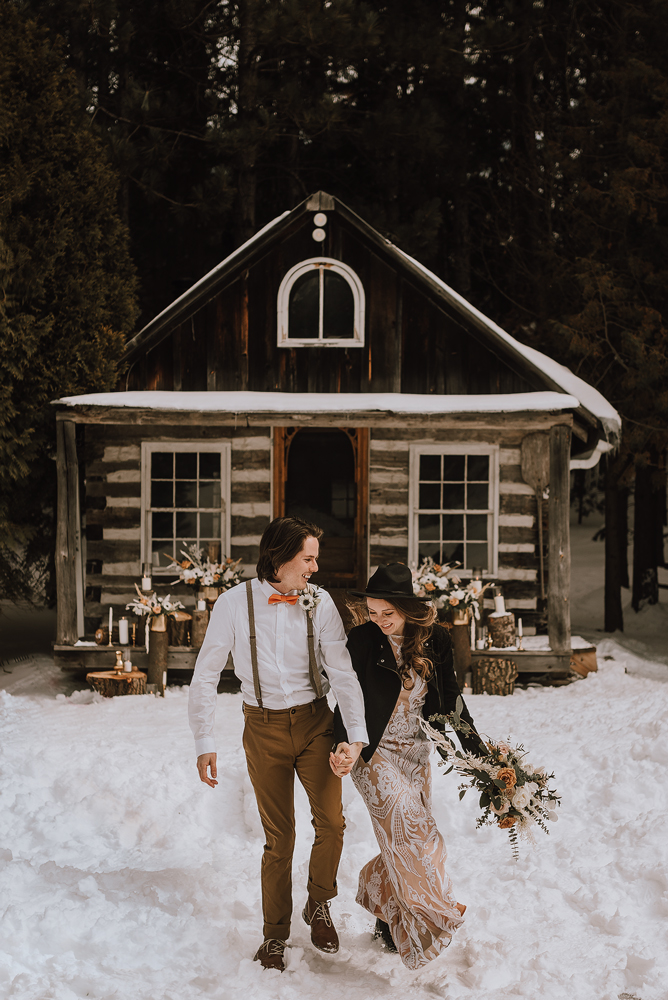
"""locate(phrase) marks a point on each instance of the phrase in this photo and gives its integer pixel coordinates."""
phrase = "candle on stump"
(201, 605)
(499, 603)
(476, 580)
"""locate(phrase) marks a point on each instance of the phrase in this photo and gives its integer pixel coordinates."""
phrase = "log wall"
(112, 508)
(111, 518)
(518, 563)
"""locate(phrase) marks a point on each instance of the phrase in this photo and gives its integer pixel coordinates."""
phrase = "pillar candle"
(146, 582)
(111, 623)
(519, 628)
(201, 605)
(123, 631)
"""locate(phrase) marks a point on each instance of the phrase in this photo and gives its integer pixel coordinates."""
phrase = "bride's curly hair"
(419, 619)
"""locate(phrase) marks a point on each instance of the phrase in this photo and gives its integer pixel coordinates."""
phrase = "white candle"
(500, 605)
(146, 583)
(519, 628)
(201, 605)
(123, 631)
(111, 623)
(127, 666)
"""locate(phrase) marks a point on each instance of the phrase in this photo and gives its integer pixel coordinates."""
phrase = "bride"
(403, 661)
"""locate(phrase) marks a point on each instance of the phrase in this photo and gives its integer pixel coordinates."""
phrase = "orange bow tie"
(283, 598)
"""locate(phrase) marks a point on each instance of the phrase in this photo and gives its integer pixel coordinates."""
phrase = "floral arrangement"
(309, 600)
(433, 580)
(514, 795)
(152, 605)
(198, 572)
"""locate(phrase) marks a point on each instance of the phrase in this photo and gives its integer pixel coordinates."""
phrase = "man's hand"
(204, 762)
(343, 758)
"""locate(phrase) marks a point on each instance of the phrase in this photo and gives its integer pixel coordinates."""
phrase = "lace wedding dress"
(406, 885)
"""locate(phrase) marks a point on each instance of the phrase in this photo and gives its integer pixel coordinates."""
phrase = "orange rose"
(429, 586)
(454, 601)
(437, 568)
(508, 777)
(505, 822)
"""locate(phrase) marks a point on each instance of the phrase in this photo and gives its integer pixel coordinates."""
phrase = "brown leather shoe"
(323, 932)
(270, 954)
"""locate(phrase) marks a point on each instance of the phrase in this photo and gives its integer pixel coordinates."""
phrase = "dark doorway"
(321, 487)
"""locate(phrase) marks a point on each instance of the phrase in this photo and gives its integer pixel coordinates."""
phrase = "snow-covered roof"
(589, 397)
(325, 402)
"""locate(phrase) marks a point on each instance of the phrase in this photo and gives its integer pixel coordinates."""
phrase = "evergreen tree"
(68, 285)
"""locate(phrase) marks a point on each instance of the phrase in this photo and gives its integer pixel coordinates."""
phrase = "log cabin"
(321, 371)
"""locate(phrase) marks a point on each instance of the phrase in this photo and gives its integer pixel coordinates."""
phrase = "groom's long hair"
(419, 619)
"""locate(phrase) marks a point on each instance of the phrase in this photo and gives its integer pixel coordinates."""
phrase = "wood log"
(158, 649)
(178, 628)
(559, 559)
(110, 684)
(493, 675)
(199, 626)
(583, 661)
(502, 630)
(66, 621)
(461, 648)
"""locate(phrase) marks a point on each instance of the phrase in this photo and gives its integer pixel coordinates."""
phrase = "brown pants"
(278, 743)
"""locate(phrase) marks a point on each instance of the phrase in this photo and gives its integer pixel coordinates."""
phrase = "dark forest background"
(519, 148)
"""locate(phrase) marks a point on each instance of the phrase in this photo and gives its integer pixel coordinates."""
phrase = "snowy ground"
(121, 876)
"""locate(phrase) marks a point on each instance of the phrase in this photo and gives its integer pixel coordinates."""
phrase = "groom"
(286, 658)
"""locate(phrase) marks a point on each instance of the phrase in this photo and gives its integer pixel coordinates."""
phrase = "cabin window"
(185, 500)
(454, 505)
(321, 304)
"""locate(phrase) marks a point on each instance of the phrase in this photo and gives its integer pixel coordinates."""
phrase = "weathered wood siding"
(518, 562)
(112, 510)
(413, 343)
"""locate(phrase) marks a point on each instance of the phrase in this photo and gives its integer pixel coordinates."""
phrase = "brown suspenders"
(314, 673)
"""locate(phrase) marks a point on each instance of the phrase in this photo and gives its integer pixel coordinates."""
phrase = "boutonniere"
(308, 601)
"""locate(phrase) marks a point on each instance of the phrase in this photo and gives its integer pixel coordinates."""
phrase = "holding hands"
(343, 758)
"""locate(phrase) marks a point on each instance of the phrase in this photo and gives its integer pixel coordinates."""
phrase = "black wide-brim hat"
(394, 580)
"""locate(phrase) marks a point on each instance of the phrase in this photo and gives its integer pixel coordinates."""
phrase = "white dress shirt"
(283, 662)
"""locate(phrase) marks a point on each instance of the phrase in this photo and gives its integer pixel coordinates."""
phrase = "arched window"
(321, 304)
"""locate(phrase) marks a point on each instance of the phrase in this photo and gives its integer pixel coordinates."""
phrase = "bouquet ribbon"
(283, 599)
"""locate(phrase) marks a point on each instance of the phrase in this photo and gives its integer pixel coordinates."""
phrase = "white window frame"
(224, 448)
(464, 448)
(283, 305)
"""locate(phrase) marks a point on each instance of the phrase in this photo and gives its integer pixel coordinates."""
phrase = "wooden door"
(322, 475)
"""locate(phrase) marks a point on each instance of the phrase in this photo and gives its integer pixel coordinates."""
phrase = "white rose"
(522, 797)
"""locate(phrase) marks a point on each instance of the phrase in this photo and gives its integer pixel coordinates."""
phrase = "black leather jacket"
(375, 666)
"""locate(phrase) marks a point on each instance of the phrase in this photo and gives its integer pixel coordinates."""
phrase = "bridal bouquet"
(514, 795)
(196, 571)
(432, 580)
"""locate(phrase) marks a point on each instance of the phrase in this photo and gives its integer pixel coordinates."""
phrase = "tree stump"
(199, 627)
(494, 676)
(502, 630)
(110, 684)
